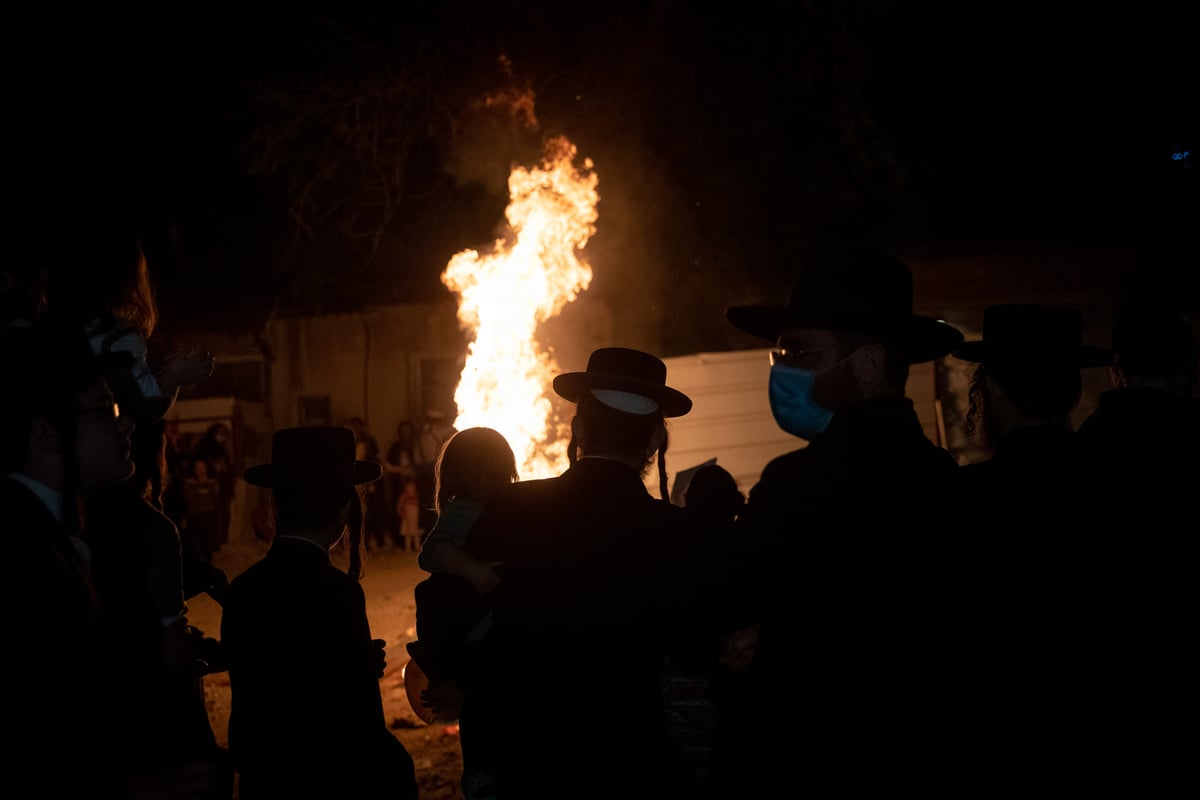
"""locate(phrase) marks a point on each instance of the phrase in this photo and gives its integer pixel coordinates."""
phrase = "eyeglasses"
(787, 356)
(108, 410)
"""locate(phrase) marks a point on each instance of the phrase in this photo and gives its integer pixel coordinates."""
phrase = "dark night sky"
(725, 142)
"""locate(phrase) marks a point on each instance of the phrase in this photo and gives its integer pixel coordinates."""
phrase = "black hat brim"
(573, 385)
(978, 352)
(920, 338)
(265, 475)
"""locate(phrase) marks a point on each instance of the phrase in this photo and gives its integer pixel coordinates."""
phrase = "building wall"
(367, 364)
(389, 363)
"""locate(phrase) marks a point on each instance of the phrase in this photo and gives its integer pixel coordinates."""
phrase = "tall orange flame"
(503, 296)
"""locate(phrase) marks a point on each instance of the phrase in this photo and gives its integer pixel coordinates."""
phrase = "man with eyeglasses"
(61, 438)
(845, 558)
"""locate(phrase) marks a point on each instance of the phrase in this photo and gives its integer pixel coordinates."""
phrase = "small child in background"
(452, 608)
(408, 511)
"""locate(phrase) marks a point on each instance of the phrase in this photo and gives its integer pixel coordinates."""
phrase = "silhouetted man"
(851, 568)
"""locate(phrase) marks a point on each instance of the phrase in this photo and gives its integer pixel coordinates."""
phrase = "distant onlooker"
(434, 433)
(176, 467)
(408, 510)
(215, 448)
(400, 467)
(377, 520)
(201, 529)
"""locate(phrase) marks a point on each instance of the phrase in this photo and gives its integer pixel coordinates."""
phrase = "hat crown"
(312, 456)
(626, 363)
(854, 289)
(1032, 331)
(1033, 335)
(626, 370)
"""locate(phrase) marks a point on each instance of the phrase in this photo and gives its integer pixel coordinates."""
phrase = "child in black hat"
(306, 716)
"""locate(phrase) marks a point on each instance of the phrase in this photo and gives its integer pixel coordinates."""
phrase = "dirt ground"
(388, 583)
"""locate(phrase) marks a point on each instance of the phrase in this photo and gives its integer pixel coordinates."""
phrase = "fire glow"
(505, 295)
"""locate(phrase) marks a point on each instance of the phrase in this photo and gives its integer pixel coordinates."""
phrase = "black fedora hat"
(311, 457)
(1036, 334)
(621, 369)
(858, 290)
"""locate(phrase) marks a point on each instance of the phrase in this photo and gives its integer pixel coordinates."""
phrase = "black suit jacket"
(850, 553)
(306, 713)
(57, 656)
(592, 585)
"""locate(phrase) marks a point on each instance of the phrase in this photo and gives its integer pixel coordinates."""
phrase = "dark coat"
(1033, 672)
(1144, 445)
(564, 697)
(850, 557)
(306, 714)
(59, 658)
(135, 550)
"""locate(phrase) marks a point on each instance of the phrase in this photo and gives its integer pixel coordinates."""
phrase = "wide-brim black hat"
(314, 456)
(857, 290)
(1023, 333)
(622, 369)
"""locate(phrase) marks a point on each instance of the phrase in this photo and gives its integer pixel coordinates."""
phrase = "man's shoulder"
(21, 505)
(276, 571)
(12, 488)
(789, 463)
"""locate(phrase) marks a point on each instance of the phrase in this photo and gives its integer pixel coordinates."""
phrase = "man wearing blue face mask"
(855, 609)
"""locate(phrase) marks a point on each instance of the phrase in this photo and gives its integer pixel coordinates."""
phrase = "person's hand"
(197, 776)
(380, 647)
(218, 583)
(444, 697)
(737, 649)
(190, 367)
(210, 656)
(483, 576)
(178, 645)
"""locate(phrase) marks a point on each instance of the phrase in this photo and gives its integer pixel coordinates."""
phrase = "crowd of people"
(870, 618)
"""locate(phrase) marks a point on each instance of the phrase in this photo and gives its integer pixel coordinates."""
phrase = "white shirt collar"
(303, 539)
(51, 498)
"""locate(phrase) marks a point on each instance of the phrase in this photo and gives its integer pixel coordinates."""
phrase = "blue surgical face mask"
(792, 403)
